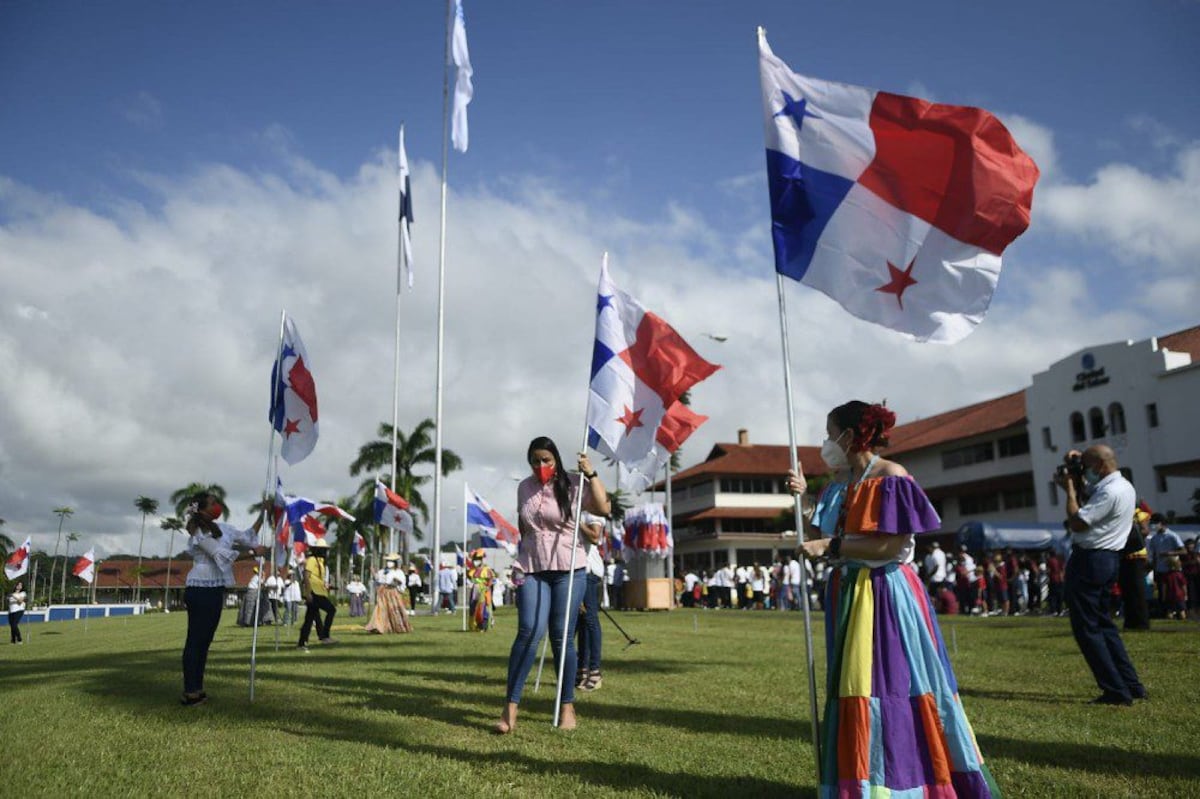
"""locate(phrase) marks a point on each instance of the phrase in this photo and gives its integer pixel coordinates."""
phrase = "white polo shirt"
(1108, 513)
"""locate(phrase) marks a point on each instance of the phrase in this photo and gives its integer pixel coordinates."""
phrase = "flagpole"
(441, 312)
(463, 594)
(671, 530)
(267, 492)
(396, 369)
(562, 652)
(799, 521)
(562, 649)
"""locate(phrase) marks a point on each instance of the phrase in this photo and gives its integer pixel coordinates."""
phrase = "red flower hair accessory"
(872, 430)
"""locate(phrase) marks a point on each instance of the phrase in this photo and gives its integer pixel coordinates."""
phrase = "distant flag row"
(18, 562)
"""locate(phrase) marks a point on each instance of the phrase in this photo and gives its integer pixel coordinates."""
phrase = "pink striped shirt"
(545, 535)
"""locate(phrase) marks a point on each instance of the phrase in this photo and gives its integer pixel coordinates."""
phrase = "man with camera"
(1100, 506)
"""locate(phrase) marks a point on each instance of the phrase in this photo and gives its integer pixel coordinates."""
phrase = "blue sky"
(190, 163)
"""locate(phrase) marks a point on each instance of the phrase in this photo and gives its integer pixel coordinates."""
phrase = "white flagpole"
(799, 520)
(441, 313)
(396, 370)
(671, 529)
(266, 492)
(562, 651)
(463, 593)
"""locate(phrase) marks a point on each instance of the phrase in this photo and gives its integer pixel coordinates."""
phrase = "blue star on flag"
(796, 109)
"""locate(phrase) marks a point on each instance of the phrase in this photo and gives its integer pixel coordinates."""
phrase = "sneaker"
(326, 641)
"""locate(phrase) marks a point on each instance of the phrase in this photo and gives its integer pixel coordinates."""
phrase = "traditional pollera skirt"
(390, 615)
(894, 725)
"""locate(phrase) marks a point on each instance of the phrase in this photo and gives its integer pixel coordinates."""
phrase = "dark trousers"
(589, 626)
(1131, 576)
(1055, 598)
(14, 624)
(616, 596)
(312, 614)
(204, 607)
(1091, 574)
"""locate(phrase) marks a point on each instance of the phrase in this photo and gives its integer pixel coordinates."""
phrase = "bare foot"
(566, 719)
(508, 719)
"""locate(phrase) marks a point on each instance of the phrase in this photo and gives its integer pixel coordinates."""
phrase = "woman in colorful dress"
(893, 720)
(481, 577)
(390, 615)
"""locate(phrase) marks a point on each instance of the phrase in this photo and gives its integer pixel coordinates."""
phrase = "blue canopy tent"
(980, 536)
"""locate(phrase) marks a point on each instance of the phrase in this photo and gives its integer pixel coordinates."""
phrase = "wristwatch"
(591, 476)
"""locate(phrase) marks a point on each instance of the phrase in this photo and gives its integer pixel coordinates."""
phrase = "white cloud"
(136, 342)
(1142, 216)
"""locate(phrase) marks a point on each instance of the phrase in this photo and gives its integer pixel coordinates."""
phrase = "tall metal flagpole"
(462, 595)
(396, 371)
(562, 647)
(799, 519)
(671, 529)
(441, 314)
(266, 492)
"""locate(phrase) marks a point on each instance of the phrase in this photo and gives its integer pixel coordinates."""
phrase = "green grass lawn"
(711, 703)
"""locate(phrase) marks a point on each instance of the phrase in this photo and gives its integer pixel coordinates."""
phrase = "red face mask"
(215, 510)
(544, 473)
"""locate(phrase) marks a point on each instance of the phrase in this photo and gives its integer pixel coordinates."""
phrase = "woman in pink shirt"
(551, 561)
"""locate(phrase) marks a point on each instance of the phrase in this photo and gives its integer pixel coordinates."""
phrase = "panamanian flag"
(494, 530)
(18, 562)
(640, 368)
(895, 207)
(293, 397)
(85, 567)
(358, 546)
(391, 509)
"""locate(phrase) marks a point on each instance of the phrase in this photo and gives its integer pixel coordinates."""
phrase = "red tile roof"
(982, 417)
(122, 574)
(751, 460)
(1183, 341)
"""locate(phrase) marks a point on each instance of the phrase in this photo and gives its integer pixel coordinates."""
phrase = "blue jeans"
(589, 632)
(1090, 576)
(204, 606)
(542, 602)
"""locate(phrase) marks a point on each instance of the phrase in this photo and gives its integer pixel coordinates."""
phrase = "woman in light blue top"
(214, 546)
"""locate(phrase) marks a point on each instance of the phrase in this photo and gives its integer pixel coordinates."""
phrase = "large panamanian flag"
(18, 562)
(640, 369)
(294, 397)
(494, 529)
(895, 207)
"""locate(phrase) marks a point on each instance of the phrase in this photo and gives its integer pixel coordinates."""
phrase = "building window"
(975, 504)
(1127, 473)
(748, 485)
(1116, 419)
(1047, 441)
(1078, 433)
(1096, 421)
(1019, 498)
(1152, 414)
(1013, 445)
(1162, 483)
(1053, 494)
(965, 456)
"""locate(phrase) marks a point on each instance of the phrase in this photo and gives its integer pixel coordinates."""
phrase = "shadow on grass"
(1094, 759)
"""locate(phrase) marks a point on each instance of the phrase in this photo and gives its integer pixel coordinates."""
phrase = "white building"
(991, 461)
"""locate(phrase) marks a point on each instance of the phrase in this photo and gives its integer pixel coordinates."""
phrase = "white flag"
(406, 214)
(85, 567)
(463, 90)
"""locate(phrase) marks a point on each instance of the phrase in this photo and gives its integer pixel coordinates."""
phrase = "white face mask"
(833, 455)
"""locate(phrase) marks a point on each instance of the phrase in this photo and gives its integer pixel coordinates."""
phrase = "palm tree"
(63, 512)
(147, 506)
(67, 564)
(412, 451)
(174, 524)
(183, 496)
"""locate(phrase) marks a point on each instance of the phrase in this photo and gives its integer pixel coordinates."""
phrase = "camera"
(1072, 468)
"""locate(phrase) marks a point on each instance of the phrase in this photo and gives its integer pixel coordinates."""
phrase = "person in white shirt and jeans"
(214, 547)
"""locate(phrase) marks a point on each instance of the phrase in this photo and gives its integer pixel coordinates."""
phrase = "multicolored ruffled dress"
(893, 725)
(482, 578)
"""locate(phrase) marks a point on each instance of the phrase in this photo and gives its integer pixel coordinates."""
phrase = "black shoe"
(1111, 699)
(1143, 694)
(198, 699)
